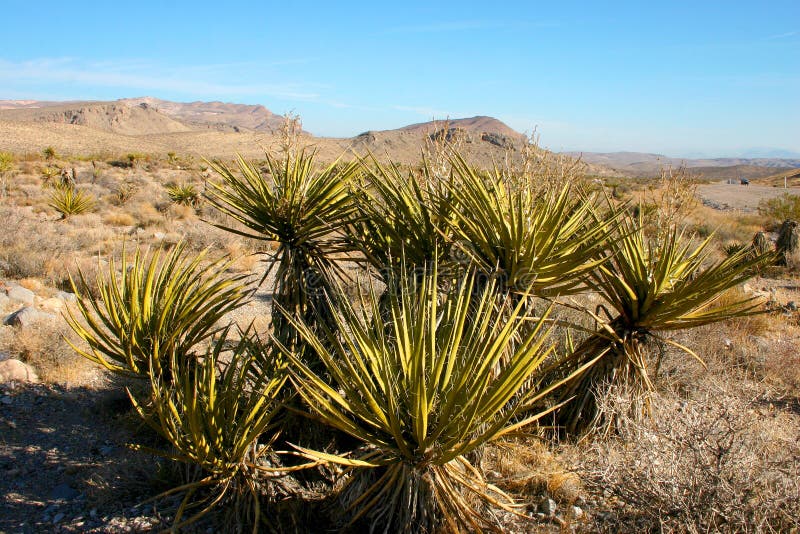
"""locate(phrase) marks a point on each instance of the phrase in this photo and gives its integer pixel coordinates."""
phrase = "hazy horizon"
(714, 80)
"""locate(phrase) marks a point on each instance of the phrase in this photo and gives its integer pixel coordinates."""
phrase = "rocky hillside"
(114, 117)
(214, 115)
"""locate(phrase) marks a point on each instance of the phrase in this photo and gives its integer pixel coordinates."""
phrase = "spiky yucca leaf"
(219, 415)
(184, 194)
(652, 286)
(542, 244)
(153, 309)
(68, 201)
(407, 219)
(305, 210)
(444, 377)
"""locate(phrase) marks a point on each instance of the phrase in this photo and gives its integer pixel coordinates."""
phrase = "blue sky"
(680, 78)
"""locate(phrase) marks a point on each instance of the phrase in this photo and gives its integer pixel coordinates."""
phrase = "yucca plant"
(305, 210)
(441, 379)
(183, 194)
(407, 219)
(68, 201)
(220, 418)
(652, 285)
(538, 243)
(153, 309)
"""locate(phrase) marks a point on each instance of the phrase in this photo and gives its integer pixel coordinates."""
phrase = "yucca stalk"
(652, 286)
(305, 210)
(442, 378)
(219, 415)
(68, 201)
(153, 309)
(407, 219)
(533, 243)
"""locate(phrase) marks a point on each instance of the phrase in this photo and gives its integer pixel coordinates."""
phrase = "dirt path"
(724, 196)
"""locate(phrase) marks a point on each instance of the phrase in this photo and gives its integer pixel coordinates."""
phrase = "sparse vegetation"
(428, 375)
(69, 201)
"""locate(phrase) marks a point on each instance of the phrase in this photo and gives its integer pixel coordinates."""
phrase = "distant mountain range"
(219, 129)
(644, 164)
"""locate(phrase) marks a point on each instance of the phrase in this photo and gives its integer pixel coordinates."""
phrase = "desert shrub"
(533, 241)
(407, 219)
(42, 345)
(183, 194)
(153, 310)
(442, 378)
(219, 416)
(703, 465)
(780, 208)
(68, 201)
(306, 212)
(49, 153)
(653, 285)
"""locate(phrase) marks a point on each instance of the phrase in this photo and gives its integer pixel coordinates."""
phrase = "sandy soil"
(738, 197)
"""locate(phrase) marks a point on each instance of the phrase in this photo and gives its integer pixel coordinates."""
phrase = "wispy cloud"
(781, 36)
(141, 75)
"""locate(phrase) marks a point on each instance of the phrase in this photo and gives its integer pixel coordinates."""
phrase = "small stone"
(93, 513)
(26, 316)
(52, 304)
(791, 305)
(21, 294)
(66, 296)
(15, 370)
(548, 506)
(59, 516)
(63, 491)
(577, 512)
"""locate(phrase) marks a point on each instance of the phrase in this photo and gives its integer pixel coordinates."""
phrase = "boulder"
(52, 304)
(21, 294)
(66, 296)
(26, 316)
(15, 370)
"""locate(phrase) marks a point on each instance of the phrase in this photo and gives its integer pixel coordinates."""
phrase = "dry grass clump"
(716, 462)
(42, 345)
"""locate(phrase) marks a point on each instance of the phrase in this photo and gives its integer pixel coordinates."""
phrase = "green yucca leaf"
(407, 219)
(219, 414)
(652, 286)
(153, 309)
(542, 243)
(70, 201)
(444, 376)
(184, 194)
(305, 210)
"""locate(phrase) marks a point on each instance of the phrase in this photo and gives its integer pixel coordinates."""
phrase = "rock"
(15, 370)
(59, 516)
(20, 294)
(26, 316)
(548, 507)
(52, 304)
(791, 305)
(159, 235)
(577, 512)
(66, 296)
(64, 491)
(6, 400)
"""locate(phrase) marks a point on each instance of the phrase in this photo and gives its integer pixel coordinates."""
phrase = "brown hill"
(214, 115)
(111, 117)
